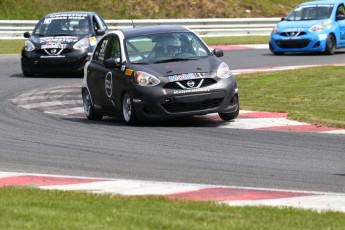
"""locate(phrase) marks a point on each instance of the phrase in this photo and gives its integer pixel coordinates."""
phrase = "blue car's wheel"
(330, 45)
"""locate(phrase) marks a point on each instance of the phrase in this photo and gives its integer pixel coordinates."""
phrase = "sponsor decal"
(57, 56)
(186, 76)
(109, 84)
(128, 72)
(54, 46)
(191, 91)
(93, 41)
(62, 39)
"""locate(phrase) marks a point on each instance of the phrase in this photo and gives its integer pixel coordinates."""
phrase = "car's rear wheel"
(89, 110)
(127, 109)
(229, 116)
(330, 45)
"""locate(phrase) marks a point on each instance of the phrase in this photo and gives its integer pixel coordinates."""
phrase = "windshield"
(165, 47)
(63, 25)
(310, 12)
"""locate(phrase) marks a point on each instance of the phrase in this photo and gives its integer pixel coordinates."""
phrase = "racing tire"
(275, 53)
(229, 116)
(28, 74)
(128, 112)
(330, 45)
(89, 110)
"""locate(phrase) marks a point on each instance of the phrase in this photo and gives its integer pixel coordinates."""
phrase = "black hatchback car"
(154, 72)
(61, 42)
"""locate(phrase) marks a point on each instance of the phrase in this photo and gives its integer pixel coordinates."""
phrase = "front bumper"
(34, 62)
(158, 103)
(310, 42)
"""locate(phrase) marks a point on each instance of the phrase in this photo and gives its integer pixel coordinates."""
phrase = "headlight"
(275, 30)
(82, 44)
(317, 27)
(224, 71)
(28, 46)
(146, 79)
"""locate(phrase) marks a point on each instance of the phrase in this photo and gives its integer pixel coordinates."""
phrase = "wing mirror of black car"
(218, 52)
(100, 32)
(112, 63)
(27, 35)
(340, 17)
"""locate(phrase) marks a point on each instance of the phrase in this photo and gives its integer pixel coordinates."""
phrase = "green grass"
(11, 46)
(314, 95)
(30, 208)
(149, 9)
(236, 40)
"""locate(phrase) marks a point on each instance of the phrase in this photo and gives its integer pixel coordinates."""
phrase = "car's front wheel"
(330, 45)
(229, 116)
(89, 110)
(127, 109)
(28, 74)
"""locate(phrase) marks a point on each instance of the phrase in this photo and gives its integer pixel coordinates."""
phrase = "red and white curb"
(233, 196)
(66, 101)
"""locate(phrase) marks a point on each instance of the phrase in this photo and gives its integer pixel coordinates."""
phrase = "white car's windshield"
(63, 25)
(163, 47)
(310, 12)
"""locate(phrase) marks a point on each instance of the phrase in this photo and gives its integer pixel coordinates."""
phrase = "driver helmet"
(173, 46)
(83, 26)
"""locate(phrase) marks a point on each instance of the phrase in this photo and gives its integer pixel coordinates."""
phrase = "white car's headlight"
(28, 46)
(223, 71)
(146, 79)
(82, 44)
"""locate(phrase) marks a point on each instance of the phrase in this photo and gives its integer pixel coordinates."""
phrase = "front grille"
(292, 34)
(175, 107)
(205, 82)
(53, 61)
(286, 44)
(44, 53)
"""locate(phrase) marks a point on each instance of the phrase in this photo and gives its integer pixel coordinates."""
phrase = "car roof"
(322, 2)
(89, 13)
(133, 32)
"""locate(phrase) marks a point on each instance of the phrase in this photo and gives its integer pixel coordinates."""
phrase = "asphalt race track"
(174, 151)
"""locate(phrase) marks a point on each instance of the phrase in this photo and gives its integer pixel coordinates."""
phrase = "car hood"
(298, 24)
(204, 65)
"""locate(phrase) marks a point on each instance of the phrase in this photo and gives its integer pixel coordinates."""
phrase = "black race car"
(152, 72)
(61, 42)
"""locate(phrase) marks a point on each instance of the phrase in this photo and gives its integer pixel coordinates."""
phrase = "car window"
(164, 46)
(64, 24)
(101, 49)
(310, 12)
(99, 24)
(340, 10)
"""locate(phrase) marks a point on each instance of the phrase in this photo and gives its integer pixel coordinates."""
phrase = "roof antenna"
(133, 23)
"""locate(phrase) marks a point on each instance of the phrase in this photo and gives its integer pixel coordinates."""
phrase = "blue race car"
(316, 26)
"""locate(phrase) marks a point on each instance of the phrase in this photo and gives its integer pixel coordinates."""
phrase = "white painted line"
(66, 112)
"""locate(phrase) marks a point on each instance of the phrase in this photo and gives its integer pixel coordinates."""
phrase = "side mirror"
(283, 19)
(340, 17)
(100, 32)
(27, 35)
(112, 63)
(218, 52)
